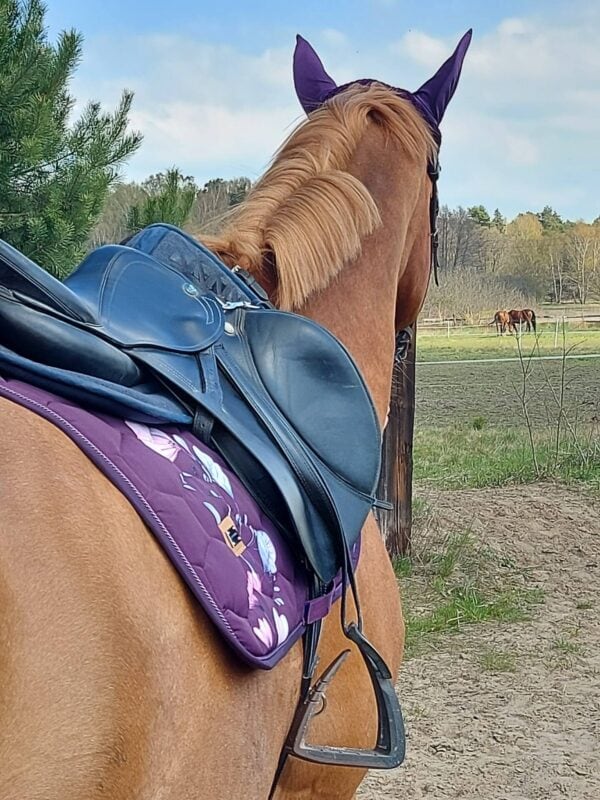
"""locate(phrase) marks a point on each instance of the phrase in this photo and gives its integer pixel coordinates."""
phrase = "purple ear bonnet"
(314, 85)
(311, 81)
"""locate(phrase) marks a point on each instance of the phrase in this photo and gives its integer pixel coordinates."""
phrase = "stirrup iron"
(390, 749)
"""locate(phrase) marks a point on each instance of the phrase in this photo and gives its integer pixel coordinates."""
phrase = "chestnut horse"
(113, 683)
(502, 322)
(525, 316)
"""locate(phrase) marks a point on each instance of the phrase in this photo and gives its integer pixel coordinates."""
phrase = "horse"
(502, 322)
(524, 316)
(112, 682)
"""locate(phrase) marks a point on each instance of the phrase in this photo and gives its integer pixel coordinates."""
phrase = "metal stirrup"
(390, 748)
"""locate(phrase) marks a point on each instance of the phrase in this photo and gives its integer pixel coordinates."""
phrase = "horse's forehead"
(413, 99)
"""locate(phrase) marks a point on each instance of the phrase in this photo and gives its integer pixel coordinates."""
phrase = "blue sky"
(214, 93)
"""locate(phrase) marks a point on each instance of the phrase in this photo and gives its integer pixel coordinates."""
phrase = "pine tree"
(479, 215)
(499, 221)
(238, 189)
(550, 220)
(169, 198)
(54, 176)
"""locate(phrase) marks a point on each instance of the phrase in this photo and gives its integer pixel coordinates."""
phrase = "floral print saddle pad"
(235, 561)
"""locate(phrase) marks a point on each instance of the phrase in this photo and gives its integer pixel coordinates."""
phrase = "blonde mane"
(307, 211)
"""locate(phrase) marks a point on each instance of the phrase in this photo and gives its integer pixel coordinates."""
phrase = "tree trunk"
(395, 483)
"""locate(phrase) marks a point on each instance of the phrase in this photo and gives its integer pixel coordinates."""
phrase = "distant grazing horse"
(113, 684)
(525, 316)
(502, 322)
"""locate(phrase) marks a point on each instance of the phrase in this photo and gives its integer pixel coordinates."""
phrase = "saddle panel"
(141, 302)
(54, 341)
(147, 401)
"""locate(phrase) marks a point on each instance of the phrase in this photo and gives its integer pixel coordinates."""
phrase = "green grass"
(497, 661)
(403, 567)
(451, 582)
(463, 457)
(565, 649)
(470, 426)
(466, 605)
(567, 646)
(468, 344)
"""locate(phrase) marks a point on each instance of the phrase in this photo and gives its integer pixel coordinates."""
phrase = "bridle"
(405, 336)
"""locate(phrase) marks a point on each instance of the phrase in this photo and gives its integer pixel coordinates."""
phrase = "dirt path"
(528, 734)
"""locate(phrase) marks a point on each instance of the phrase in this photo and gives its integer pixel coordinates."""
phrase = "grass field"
(490, 423)
(497, 422)
(483, 343)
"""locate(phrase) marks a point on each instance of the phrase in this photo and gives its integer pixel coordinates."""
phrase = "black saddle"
(161, 331)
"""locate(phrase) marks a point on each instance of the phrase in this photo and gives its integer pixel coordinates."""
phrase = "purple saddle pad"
(235, 561)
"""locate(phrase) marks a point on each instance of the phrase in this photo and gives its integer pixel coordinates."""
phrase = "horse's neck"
(359, 309)
(360, 305)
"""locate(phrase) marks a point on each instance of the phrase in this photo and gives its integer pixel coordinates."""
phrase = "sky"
(214, 93)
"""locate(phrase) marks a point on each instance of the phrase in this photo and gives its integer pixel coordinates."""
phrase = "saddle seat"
(160, 330)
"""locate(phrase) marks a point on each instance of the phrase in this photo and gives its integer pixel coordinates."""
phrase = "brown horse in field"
(502, 322)
(113, 684)
(525, 316)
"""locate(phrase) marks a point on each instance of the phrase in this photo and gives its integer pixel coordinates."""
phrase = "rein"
(433, 170)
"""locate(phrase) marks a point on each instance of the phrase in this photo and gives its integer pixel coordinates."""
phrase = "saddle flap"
(316, 385)
(143, 302)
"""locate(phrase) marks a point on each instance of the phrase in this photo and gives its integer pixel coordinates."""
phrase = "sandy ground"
(529, 734)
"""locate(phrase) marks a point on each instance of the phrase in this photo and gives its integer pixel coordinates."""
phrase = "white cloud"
(522, 125)
(422, 49)
(512, 26)
(209, 109)
(334, 37)
(191, 133)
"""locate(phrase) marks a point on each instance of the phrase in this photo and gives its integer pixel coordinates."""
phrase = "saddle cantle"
(160, 330)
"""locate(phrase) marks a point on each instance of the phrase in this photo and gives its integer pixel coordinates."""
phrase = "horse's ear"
(437, 92)
(311, 81)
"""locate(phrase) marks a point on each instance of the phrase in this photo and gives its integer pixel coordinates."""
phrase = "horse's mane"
(307, 211)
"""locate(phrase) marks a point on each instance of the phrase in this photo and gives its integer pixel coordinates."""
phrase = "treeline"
(487, 262)
(167, 197)
(60, 195)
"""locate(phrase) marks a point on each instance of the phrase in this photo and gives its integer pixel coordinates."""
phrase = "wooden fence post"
(395, 483)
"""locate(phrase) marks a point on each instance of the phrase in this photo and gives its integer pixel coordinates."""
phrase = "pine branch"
(54, 177)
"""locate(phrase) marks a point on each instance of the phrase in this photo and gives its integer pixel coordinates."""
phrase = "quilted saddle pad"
(239, 566)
